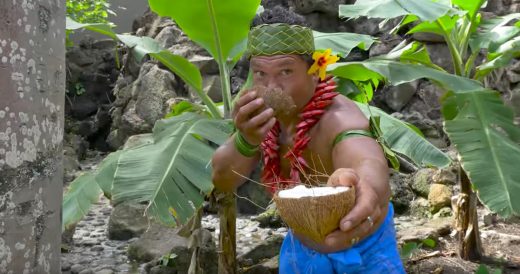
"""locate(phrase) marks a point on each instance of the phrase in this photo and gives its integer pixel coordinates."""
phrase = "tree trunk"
(466, 221)
(32, 94)
(227, 238)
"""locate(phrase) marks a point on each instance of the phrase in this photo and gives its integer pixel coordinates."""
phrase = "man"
(326, 134)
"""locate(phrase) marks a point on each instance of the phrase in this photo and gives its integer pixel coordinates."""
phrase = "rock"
(426, 102)
(422, 180)
(91, 75)
(157, 241)
(502, 7)
(211, 86)
(161, 269)
(420, 208)
(489, 218)
(396, 97)
(65, 265)
(105, 271)
(432, 229)
(178, 258)
(257, 196)
(269, 266)
(384, 46)
(428, 37)
(168, 36)
(139, 105)
(76, 269)
(264, 250)
(443, 212)
(439, 197)
(137, 140)
(446, 176)
(432, 130)
(440, 55)
(269, 218)
(127, 221)
(329, 7)
(87, 271)
(206, 64)
(402, 195)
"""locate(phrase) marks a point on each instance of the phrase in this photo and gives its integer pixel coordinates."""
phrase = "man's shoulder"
(344, 114)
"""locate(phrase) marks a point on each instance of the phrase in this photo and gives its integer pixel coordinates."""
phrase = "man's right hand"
(252, 118)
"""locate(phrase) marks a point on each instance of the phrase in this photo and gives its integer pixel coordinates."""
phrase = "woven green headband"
(280, 38)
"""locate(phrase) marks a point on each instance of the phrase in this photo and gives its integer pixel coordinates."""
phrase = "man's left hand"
(363, 219)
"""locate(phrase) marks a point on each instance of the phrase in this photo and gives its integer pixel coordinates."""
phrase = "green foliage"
(341, 43)
(482, 269)
(406, 141)
(86, 189)
(82, 192)
(408, 249)
(168, 259)
(477, 122)
(488, 143)
(89, 11)
(173, 171)
(219, 27)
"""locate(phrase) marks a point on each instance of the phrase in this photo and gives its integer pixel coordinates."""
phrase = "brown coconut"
(315, 216)
(282, 104)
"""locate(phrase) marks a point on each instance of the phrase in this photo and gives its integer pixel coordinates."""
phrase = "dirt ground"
(500, 242)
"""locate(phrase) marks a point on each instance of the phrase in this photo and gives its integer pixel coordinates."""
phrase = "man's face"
(288, 72)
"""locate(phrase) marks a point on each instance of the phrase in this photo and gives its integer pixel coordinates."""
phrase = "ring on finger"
(370, 221)
(354, 240)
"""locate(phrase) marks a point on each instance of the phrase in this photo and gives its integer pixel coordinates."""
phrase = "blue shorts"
(376, 254)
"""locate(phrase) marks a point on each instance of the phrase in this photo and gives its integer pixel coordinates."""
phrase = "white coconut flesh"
(302, 191)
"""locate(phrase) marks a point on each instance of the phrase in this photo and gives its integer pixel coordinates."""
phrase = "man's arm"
(253, 121)
(365, 156)
(230, 168)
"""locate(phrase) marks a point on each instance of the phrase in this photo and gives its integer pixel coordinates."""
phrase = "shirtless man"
(366, 238)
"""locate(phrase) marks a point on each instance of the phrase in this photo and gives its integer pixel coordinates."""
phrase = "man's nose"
(272, 83)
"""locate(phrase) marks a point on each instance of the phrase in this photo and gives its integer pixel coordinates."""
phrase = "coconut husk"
(282, 103)
(315, 217)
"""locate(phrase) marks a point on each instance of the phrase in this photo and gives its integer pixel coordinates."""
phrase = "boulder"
(439, 197)
(127, 221)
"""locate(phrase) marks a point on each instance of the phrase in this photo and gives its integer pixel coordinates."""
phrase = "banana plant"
(476, 120)
(170, 170)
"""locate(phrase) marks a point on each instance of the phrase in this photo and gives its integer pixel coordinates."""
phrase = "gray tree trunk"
(32, 87)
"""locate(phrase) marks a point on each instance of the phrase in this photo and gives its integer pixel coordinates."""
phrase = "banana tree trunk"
(466, 221)
(227, 238)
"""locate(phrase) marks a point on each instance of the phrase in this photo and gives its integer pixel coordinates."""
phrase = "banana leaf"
(103, 28)
(471, 6)
(342, 43)
(405, 140)
(396, 73)
(489, 144)
(82, 193)
(425, 10)
(494, 32)
(414, 52)
(174, 173)
(86, 189)
(500, 58)
(218, 26)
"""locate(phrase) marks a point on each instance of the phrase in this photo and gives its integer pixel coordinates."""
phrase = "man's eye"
(259, 73)
(286, 72)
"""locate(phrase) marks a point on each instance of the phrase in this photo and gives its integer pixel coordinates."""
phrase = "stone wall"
(32, 85)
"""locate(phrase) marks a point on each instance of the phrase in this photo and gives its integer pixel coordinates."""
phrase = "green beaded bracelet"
(244, 147)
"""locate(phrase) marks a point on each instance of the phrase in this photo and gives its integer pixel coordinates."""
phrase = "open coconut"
(314, 212)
